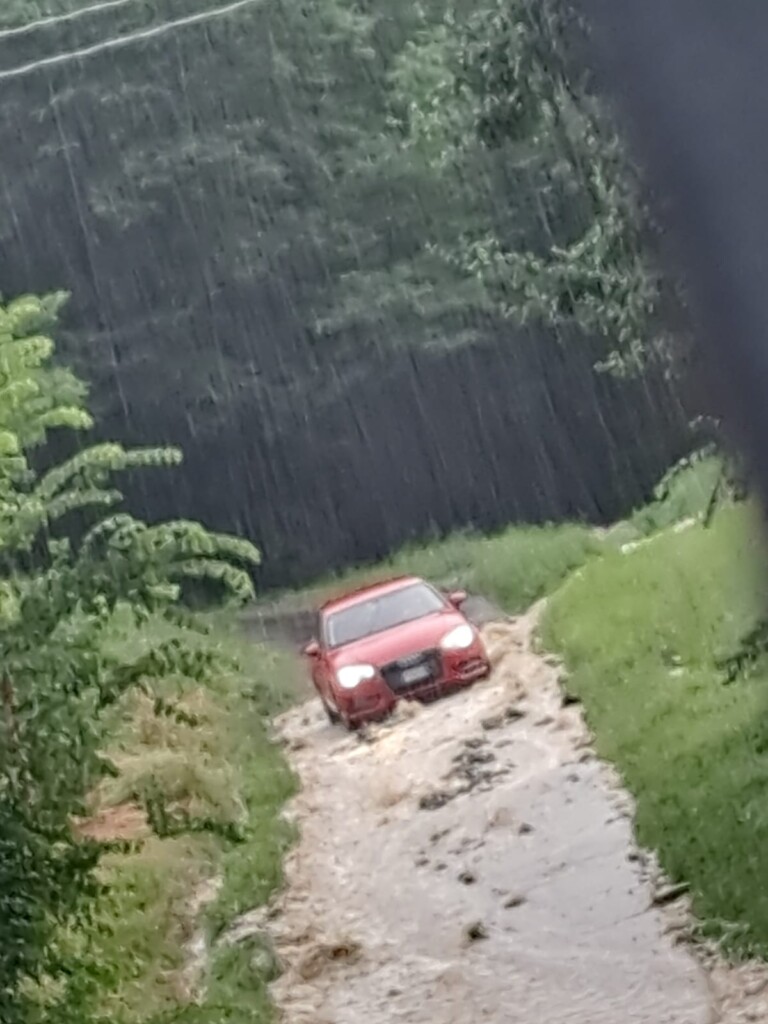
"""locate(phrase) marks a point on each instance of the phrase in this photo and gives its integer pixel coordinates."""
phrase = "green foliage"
(593, 269)
(285, 182)
(510, 78)
(649, 640)
(60, 597)
(685, 491)
(146, 917)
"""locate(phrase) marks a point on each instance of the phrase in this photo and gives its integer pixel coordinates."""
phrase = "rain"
(299, 298)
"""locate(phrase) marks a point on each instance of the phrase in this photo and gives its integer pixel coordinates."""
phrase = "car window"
(374, 615)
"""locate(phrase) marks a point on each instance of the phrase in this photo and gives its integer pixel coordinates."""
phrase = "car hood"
(400, 641)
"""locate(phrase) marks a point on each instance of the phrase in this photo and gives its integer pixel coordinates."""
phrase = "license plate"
(415, 674)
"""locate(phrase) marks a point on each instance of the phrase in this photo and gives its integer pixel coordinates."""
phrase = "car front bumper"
(373, 700)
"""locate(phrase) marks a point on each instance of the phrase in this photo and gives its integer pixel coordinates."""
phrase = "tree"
(252, 215)
(61, 592)
(580, 251)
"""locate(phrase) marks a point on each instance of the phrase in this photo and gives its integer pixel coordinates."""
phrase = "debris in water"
(475, 931)
(670, 893)
(406, 709)
(501, 817)
(493, 722)
(434, 801)
(474, 757)
(321, 955)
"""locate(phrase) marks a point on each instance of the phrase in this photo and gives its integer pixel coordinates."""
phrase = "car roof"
(370, 590)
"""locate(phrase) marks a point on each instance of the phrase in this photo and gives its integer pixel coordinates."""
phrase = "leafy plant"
(510, 78)
(60, 595)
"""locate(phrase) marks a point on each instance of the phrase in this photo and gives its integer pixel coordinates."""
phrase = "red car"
(392, 640)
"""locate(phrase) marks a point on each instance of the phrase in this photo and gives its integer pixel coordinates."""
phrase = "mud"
(474, 861)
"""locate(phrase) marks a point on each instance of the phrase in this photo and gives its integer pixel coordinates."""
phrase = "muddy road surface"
(472, 860)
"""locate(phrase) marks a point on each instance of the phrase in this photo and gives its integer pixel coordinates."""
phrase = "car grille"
(398, 675)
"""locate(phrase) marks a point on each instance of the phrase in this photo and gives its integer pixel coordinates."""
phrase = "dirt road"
(473, 861)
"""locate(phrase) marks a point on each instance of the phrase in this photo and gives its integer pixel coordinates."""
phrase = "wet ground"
(472, 860)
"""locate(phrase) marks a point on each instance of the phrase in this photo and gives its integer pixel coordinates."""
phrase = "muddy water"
(472, 861)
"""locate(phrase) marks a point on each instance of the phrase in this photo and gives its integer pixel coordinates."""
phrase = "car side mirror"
(457, 598)
(312, 649)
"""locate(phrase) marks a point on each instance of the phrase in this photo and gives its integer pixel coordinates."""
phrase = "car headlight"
(351, 676)
(458, 639)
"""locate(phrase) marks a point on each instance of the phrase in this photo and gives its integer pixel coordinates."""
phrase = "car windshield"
(384, 611)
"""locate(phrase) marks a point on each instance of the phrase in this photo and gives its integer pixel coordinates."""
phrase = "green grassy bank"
(215, 762)
(653, 642)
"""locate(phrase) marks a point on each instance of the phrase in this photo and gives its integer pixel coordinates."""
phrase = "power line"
(120, 41)
(55, 19)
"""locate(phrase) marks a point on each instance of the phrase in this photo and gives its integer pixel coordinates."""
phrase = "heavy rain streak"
(382, 622)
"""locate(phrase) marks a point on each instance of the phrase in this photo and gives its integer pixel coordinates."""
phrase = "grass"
(514, 567)
(223, 768)
(644, 638)
(687, 495)
(521, 564)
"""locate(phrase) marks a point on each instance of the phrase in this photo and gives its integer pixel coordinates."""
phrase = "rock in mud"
(514, 901)
(467, 877)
